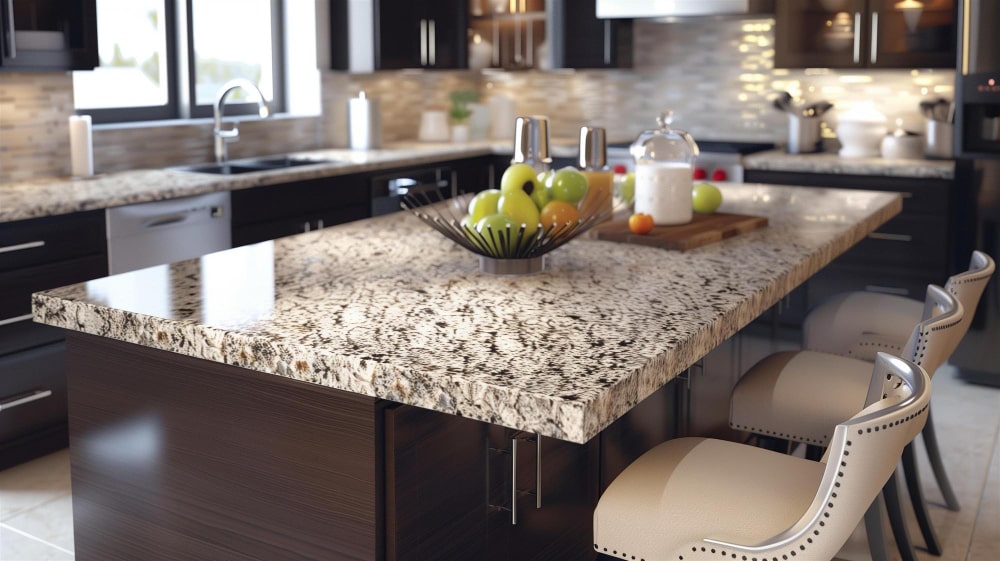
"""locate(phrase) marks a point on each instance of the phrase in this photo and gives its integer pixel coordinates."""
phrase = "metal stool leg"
(917, 499)
(934, 454)
(891, 493)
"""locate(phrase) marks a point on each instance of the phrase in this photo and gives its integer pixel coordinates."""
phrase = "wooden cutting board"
(704, 229)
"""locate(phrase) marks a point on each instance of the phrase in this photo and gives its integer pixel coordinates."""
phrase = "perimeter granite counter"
(246, 405)
(829, 162)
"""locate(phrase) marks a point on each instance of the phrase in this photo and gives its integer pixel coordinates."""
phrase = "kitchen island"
(345, 393)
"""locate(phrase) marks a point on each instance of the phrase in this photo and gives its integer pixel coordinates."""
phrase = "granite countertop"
(828, 162)
(52, 196)
(389, 308)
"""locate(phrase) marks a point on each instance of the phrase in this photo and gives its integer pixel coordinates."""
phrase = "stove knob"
(719, 175)
(699, 173)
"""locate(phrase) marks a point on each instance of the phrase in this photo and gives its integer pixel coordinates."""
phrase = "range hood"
(669, 9)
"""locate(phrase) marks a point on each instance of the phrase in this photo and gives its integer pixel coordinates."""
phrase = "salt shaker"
(663, 162)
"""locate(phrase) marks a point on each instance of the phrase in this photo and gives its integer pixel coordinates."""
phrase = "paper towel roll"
(364, 123)
(81, 146)
(502, 117)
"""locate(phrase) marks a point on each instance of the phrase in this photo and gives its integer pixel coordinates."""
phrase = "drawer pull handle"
(513, 482)
(887, 290)
(891, 237)
(20, 246)
(15, 319)
(23, 399)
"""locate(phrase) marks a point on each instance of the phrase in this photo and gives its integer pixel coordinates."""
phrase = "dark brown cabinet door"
(435, 469)
(420, 34)
(589, 42)
(912, 34)
(820, 33)
(48, 34)
(865, 33)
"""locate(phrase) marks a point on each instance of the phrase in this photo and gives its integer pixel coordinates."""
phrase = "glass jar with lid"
(664, 159)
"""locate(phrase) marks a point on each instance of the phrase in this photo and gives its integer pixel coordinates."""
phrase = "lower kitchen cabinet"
(274, 211)
(902, 257)
(462, 489)
(39, 254)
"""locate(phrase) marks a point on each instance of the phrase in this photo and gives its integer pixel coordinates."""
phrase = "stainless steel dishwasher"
(156, 233)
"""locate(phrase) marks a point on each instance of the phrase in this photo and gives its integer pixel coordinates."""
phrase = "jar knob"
(665, 119)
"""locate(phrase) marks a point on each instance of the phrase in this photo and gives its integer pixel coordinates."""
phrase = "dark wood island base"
(179, 458)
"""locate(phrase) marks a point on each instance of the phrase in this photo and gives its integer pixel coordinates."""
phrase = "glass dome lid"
(664, 144)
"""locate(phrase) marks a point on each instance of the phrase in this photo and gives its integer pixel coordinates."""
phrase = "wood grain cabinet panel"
(178, 458)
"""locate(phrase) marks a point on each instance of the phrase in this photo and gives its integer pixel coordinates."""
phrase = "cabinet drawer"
(291, 200)
(907, 241)
(32, 390)
(836, 279)
(263, 231)
(17, 286)
(920, 196)
(26, 243)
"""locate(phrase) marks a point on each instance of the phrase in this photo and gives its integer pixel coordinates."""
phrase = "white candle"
(81, 146)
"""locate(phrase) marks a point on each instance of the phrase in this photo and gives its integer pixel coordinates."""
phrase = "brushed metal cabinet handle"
(874, 46)
(319, 224)
(891, 237)
(966, 29)
(538, 471)
(306, 226)
(11, 45)
(15, 319)
(22, 246)
(513, 482)
(887, 290)
(607, 42)
(857, 37)
(22, 399)
(423, 42)
(432, 43)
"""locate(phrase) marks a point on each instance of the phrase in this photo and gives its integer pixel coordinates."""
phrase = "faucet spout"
(224, 136)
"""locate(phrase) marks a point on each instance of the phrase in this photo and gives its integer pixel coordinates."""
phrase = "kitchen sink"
(236, 167)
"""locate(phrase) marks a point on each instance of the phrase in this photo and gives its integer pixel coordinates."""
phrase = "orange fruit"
(640, 223)
(558, 213)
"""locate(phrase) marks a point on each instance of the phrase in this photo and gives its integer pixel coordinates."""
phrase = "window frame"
(181, 79)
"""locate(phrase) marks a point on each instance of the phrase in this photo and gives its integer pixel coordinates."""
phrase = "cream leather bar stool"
(857, 324)
(694, 499)
(802, 395)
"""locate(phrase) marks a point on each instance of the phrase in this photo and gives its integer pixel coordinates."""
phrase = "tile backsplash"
(717, 76)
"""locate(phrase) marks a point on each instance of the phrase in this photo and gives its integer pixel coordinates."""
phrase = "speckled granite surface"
(778, 160)
(45, 197)
(389, 308)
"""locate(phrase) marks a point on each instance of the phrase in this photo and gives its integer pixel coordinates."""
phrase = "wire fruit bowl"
(508, 250)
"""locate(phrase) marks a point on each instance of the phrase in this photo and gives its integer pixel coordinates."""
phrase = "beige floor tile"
(15, 546)
(985, 544)
(51, 522)
(30, 484)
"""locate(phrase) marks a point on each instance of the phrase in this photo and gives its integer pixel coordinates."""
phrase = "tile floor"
(36, 504)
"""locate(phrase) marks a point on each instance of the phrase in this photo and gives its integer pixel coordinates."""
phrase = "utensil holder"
(803, 134)
(940, 140)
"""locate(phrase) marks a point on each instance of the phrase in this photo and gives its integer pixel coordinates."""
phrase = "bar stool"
(694, 499)
(802, 395)
(857, 324)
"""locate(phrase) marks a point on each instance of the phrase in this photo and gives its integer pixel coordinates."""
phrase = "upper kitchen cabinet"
(865, 33)
(584, 41)
(545, 34)
(368, 35)
(48, 35)
(420, 34)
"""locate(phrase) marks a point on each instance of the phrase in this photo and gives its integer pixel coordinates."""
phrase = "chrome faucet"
(224, 137)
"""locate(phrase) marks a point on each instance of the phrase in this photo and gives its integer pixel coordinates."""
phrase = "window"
(167, 59)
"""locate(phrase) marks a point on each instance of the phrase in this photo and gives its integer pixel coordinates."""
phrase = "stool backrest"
(968, 286)
(940, 332)
(862, 455)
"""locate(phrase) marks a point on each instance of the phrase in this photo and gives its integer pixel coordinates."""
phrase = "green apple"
(705, 198)
(568, 185)
(522, 177)
(494, 228)
(484, 203)
(626, 188)
(521, 208)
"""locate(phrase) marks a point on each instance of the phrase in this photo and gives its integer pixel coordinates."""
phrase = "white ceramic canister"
(860, 131)
(663, 161)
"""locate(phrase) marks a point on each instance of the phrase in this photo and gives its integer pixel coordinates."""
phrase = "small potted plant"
(460, 113)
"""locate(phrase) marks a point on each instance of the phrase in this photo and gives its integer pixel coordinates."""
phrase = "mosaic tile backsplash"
(717, 76)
